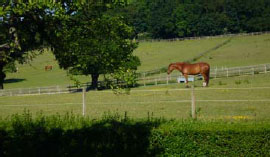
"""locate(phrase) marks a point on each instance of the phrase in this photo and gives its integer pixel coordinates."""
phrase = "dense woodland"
(187, 18)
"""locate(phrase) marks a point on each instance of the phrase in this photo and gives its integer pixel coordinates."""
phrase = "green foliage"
(125, 78)
(221, 83)
(173, 18)
(71, 135)
(76, 82)
(91, 42)
(238, 82)
(84, 39)
(212, 139)
(23, 135)
(10, 67)
(22, 31)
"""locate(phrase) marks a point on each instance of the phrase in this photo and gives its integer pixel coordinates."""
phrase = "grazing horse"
(48, 67)
(191, 69)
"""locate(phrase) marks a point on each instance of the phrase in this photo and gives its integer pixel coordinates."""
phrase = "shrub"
(71, 135)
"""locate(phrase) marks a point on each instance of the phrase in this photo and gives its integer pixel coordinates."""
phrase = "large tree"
(83, 39)
(91, 42)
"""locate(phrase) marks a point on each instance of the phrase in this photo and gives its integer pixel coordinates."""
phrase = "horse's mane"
(178, 63)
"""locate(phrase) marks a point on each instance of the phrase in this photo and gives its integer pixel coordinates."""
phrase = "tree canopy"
(92, 42)
(22, 32)
(84, 39)
(186, 18)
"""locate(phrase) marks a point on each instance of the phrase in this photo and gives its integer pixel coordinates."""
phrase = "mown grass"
(134, 124)
(155, 55)
(241, 51)
(34, 74)
(248, 100)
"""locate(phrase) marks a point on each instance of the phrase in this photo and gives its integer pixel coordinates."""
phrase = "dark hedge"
(23, 135)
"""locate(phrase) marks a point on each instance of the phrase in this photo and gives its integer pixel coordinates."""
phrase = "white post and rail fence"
(144, 80)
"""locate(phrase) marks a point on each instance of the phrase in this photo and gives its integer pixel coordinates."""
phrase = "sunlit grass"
(241, 51)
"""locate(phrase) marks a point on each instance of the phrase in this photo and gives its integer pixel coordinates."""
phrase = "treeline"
(188, 18)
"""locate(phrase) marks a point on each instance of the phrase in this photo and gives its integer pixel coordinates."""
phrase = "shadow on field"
(103, 138)
(13, 80)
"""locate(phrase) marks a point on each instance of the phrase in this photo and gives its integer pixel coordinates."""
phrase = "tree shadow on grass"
(104, 138)
(13, 80)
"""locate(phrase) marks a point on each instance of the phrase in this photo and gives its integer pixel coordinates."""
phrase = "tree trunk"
(94, 80)
(2, 77)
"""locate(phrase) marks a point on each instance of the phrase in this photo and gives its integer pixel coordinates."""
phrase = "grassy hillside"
(240, 51)
(154, 55)
(34, 74)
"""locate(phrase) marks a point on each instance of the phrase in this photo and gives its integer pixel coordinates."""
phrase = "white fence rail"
(249, 103)
(162, 78)
(39, 91)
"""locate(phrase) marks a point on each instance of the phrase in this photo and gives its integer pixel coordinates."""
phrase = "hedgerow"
(71, 135)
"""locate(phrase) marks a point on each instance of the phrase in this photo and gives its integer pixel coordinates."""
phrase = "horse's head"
(171, 67)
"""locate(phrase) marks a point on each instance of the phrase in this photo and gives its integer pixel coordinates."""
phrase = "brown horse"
(191, 69)
(48, 67)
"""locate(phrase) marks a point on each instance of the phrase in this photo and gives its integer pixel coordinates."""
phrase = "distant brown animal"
(191, 69)
(48, 67)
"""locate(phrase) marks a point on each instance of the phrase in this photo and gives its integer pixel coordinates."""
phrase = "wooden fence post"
(265, 69)
(216, 72)
(83, 101)
(193, 106)
(144, 79)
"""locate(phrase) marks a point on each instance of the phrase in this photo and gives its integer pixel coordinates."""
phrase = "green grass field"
(232, 113)
(241, 51)
(234, 98)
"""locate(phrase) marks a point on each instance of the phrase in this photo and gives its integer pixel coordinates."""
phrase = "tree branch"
(4, 47)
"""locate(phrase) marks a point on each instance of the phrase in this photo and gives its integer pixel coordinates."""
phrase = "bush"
(213, 139)
(71, 135)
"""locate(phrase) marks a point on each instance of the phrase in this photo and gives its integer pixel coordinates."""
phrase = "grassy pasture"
(241, 51)
(225, 99)
(34, 74)
(154, 55)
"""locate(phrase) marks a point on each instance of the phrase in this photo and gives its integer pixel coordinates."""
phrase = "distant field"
(154, 55)
(241, 51)
(34, 74)
(236, 98)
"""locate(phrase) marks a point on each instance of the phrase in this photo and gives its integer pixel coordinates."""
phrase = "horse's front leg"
(205, 78)
(186, 77)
